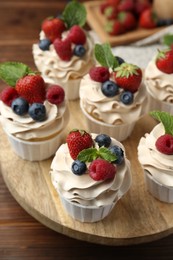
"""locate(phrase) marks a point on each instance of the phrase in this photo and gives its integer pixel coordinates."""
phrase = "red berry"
(164, 144)
(8, 95)
(53, 28)
(126, 5)
(128, 20)
(100, 170)
(55, 94)
(78, 140)
(32, 88)
(148, 19)
(114, 27)
(110, 12)
(63, 49)
(164, 61)
(141, 5)
(99, 74)
(77, 35)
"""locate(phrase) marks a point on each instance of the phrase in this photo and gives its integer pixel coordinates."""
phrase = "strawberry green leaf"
(165, 118)
(168, 39)
(10, 72)
(74, 14)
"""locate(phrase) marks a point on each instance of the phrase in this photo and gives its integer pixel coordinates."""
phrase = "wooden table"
(21, 236)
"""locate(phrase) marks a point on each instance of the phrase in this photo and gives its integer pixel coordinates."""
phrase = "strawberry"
(63, 48)
(78, 140)
(141, 5)
(77, 35)
(164, 61)
(100, 170)
(32, 88)
(128, 77)
(53, 28)
(114, 27)
(103, 6)
(126, 5)
(128, 20)
(148, 19)
(55, 94)
(110, 12)
(164, 144)
(8, 94)
(99, 74)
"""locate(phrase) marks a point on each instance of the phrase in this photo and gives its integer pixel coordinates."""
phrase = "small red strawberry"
(128, 20)
(110, 12)
(78, 140)
(141, 5)
(32, 88)
(99, 74)
(114, 27)
(55, 94)
(8, 94)
(63, 48)
(164, 61)
(128, 77)
(148, 19)
(164, 144)
(77, 35)
(103, 6)
(53, 28)
(126, 5)
(100, 170)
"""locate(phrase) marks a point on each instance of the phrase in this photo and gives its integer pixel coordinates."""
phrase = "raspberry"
(99, 74)
(8, 95)
(55, 94)
(101, 169)
(164, 144)
(77, 35)
(63, 49)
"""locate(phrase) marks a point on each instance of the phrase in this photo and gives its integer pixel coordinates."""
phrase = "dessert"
(155, 153)
(90, 172)
(64, 53)
(112, 96)
(33, 114)
(158, 78)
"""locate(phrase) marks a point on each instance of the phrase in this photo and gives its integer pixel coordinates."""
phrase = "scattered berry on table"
(63, 48)
(116, 150)
(103, 140)
(99, 74)
(109, 88)
(8, 94)
(126, 97)
(55, 94)
(79, 50)
(20, 106)
(37, 112)
(78, 167)
(44, 44)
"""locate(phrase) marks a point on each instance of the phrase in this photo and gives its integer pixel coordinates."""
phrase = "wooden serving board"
(137, 217)
(97, 22)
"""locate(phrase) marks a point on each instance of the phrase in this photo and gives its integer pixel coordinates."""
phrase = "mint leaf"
(87, 155)
(104, 56)
(106, 154)
(165, 118)
(74, 13)
(168, 39)
(10, 72)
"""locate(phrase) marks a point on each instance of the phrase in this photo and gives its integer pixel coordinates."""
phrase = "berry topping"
(37, 112)
(99, 74)
(78, 167)
(77, 35)
(164, 144)
(116, 150)
(164, 61)
(109, 88)
(55, 94)
(20, 106)
(103, 140)
(126, 97)
(79, 50)
(100, 170)
(78, 140)
(44, 44)
(53, 28)
(128, 77)
(120, 60)
(63, 49)
(32, 88)
(8, 94)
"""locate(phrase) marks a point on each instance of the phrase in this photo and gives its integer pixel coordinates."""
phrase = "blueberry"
(44, 44)
(37, 111)
(103, 140)
(126, 97)
(79, 50)
(20, 106)
(109, 88)
(120, 60)
(116, 150)
(78, 167)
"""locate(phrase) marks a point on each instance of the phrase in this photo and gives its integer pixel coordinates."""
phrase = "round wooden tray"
(137, 217)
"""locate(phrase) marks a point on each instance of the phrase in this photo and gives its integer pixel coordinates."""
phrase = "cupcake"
(112, 96)
(158, 78)
(33, 114)
(155, 153)
(90, 174)
(64, 53)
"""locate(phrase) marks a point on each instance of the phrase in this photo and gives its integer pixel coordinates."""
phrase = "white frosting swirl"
(110, 110)
(83, 189)
(158, 83)
(159, 165)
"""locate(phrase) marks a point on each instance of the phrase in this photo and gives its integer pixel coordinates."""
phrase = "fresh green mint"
(74, 14)
(165, 118)
(104, 56)
(168, 39)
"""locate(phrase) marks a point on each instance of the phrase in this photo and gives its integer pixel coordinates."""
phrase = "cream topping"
(110, 110)
(83, 189)
(159, 165)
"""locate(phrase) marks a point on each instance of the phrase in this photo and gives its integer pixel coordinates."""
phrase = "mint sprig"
(165, 118)
(10, 72)
(104, 56)
(74, 14)
(168, 39)
(91, 154)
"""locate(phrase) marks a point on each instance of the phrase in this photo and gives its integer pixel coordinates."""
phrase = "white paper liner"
(159, 191)
(86, 213)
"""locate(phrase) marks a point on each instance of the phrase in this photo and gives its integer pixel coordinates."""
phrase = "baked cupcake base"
(155, 104)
